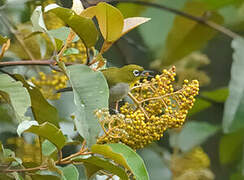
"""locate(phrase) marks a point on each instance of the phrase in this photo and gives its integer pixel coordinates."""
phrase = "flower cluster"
(78, 58)
(50, 83)
(194, 163)
(157, 106)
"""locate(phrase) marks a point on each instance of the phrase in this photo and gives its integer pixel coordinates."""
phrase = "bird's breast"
(118, 91)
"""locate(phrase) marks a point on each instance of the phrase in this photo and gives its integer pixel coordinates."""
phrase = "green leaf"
(234, 105)
(82, 26)
(71, 51)
(186, 35)
(70, 172)
(216, 4)
(110, 21)
(37, 20)
(155, 164)
(218, 95)
(90, 94)
(3, 40)
(60, 33)
(48, 148)
(193, 134)
(202, 103)
(125, 156)
(96, 164)
(42, 110)
(7, 113)
(44, 177)
(231, 147)
(199, 105)
(16, 95)
(131, 10)
(48, 131)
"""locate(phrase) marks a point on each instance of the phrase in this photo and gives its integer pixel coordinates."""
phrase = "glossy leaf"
(186, 35)
(125, 156)
(90, 94)
(193, 134)
(234, 105)
(231, 147)
(97, 164)
(48, 131)
(82, 26)
(16, 95)
(110, 21)
(42, 110)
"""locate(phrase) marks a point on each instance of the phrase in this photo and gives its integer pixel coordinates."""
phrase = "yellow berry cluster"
(50, 83)
(195, 162)
(78, 58)
(25, 150)
(157, 106)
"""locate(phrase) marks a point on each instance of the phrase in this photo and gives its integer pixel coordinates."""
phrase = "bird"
(120, 81)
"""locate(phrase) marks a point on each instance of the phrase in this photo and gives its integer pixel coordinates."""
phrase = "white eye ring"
(136, 73)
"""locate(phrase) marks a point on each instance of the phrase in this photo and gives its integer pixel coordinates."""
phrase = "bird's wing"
(111, 75)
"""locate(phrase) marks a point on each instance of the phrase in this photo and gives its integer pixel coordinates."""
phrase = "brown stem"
(200, 20)
(30, 62)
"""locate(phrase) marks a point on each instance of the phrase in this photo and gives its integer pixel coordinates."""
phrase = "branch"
(30, 62)
(200, 20)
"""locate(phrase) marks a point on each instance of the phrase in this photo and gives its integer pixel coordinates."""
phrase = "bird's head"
(132, 73)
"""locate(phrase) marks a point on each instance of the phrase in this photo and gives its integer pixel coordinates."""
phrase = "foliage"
(166, 128)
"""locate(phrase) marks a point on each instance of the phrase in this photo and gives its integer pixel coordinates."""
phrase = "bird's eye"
(136, 73)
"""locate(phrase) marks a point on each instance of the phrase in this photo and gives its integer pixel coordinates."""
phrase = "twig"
(30, 62)
(200, 20)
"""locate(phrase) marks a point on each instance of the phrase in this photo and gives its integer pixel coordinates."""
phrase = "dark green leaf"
(16, 95)
(194, 134)
(125, 156)
(50, 132)
(82, 26)
(98, 164)
(199, 105)
(234, 105)
(218, 95)
(43, 111)
(186, 35)
(231, 147)
(90, 94)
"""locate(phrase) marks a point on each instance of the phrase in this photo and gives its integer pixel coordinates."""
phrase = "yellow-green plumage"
(120, 79)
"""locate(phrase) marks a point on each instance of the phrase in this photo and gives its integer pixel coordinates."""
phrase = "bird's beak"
(146, 73)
